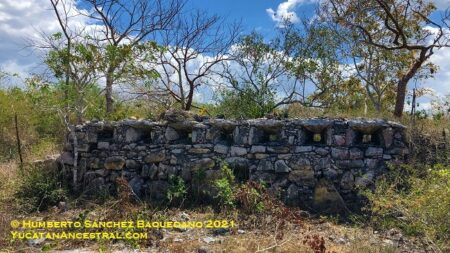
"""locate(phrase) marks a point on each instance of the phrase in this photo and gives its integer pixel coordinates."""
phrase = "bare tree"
(407, 25)
(260, 68)
(193, 47)
(126, 25)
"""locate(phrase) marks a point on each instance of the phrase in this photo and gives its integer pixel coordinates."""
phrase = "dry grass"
(8, 182)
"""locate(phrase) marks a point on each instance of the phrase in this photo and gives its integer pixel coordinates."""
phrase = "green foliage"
(177, 189)
(39, 189)
(415, 199)
(224, 186)
(250, 197)
(247, 103)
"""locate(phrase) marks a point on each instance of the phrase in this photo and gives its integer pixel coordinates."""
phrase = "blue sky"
(26, 19)
(252, 13)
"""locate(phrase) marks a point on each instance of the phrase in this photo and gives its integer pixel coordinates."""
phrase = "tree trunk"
(400, 98)
(108, 93)
(403, 82)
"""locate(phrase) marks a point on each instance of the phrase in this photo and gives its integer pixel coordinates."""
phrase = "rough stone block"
(114, 163)
(238, 151)
(155, 157)
(221, 149)
(281, 167)
(339, 153)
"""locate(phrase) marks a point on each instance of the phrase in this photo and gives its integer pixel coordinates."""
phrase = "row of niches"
(244, 135)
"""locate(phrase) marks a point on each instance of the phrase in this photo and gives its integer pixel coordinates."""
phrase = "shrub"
(39, 189)
(224, 186)
(251, 196)
(417, 200)
(177, 189)
(247, 103)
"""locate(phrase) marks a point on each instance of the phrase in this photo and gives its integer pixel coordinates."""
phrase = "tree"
(126, 26)
(315, 62)
(254, 75)
(407, 27)
(193, 47)
(71, 59)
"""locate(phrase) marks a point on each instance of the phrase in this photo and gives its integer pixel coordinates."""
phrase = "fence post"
(19, 148)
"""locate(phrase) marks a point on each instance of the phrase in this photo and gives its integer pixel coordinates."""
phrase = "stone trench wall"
(298, 159)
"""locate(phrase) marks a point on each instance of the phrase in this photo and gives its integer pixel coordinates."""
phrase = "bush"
(224, 186)
(177, 189)
(417, 200)
(251, 196)
(246, 103)
(39, 189)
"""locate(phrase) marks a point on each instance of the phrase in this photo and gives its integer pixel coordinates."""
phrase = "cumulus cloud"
(441, 4)
(24, 21)
(286, 11)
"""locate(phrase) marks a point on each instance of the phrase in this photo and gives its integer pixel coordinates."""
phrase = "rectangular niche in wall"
(225, 137)
(266, 135)
(367, 139)
(184, 137)
(106, 134)
(314, 138)
(146, 136)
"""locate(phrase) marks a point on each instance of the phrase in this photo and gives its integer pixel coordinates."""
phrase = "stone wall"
(298, 159)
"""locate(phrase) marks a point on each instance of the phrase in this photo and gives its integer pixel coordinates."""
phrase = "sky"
(23, 20)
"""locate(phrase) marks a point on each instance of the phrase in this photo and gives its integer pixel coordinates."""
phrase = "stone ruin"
(316, 163)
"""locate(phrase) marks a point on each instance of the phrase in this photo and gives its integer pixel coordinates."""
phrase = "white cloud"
(286, 11)
(23, 21)
(441, 82)
(441, 4)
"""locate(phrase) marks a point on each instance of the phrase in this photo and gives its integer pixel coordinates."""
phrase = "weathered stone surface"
(372, 163)
(327, 199)
(66, 158)
(132, 135)
(149, 171)
(356, 153)
(346, 164)
(374, 152)
(388, 137)
(300, 164)
(238, 151)
(237, 162)
(316, 125)
(292, 195)
(263, 176)
(281, 167)
(365, 180)
(302, 177)
(132, 165)
(199, 150)
(339, 140)
(281, 153)
(103, 145)
(221, 149)
(302, 149)
(258, 149)
(158, 189)
(347, 181)
(323, 163)
(136, 185)
(278, 149)
(155, 157)
(322, 151)
(339, 153)
(205, 163)
(171, 134)
(114, 163)
(265, 165)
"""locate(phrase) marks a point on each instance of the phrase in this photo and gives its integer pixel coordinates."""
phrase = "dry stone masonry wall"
(306, 162)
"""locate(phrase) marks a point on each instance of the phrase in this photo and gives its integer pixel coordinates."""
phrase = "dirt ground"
(249, 233)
